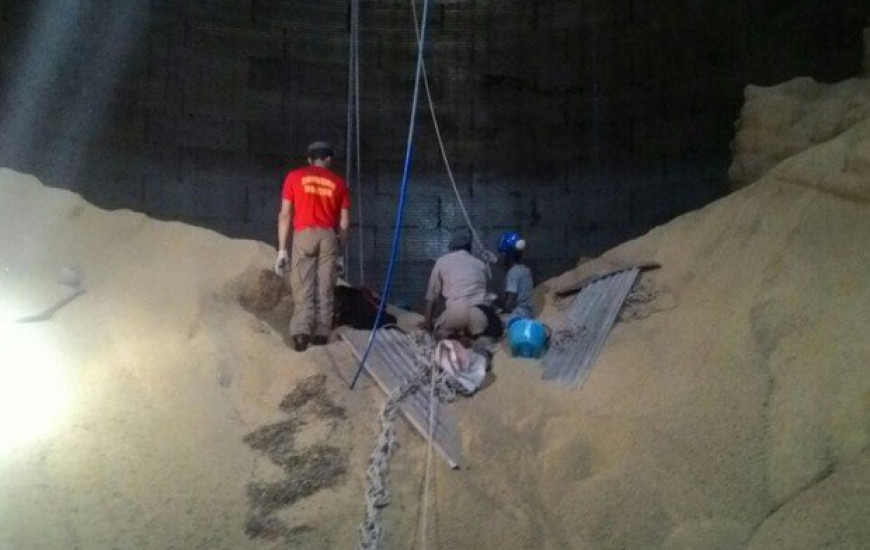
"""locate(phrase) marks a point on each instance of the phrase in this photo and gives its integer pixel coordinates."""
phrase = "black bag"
(358, 308)
(494, 326)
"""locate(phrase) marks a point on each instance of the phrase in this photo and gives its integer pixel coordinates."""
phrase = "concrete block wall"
(578, 124)
(867, 51)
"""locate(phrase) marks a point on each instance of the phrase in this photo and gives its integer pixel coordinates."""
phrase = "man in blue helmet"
(516, 301)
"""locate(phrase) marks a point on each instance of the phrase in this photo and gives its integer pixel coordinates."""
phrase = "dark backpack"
(358, 308)
(494, 326)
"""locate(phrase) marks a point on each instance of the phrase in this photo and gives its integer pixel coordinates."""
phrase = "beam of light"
(38, 69)
(47, 119)
(106, 52)
(34, 385)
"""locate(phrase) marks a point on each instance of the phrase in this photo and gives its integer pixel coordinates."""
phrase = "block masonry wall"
(579, 124)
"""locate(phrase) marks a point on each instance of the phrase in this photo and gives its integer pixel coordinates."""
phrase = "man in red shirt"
(316, 201)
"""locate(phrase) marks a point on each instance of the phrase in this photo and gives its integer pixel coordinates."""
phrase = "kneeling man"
(461, 279)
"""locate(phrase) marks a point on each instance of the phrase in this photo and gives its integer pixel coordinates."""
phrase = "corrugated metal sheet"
(391, 363)
(590, 318)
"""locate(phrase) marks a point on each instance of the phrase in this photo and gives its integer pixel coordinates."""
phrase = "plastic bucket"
(527, 338)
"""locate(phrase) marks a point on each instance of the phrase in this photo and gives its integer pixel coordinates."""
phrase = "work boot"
(300, 342)
(319, 341)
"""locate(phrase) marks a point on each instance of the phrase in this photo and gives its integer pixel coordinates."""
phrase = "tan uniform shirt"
(460, 278)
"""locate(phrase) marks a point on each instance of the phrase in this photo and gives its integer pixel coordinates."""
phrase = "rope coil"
(426, 374)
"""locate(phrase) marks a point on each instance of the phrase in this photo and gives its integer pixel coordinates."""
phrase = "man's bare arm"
(433, 291)
(284, 219)
(343, 226)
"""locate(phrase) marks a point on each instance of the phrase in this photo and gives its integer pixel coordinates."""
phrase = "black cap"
(460, 238)
(320, 149)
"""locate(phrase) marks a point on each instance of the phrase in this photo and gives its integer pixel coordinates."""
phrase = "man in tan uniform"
(316, 200)
(462, 280)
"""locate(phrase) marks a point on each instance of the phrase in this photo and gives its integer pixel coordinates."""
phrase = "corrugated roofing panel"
(590, 317)
(391, 364)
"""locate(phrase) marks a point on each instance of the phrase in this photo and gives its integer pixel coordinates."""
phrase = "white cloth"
(465, 367)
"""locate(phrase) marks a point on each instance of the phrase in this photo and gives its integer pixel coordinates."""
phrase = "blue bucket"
(527, 338)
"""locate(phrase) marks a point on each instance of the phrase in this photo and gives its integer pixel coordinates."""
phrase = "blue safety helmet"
(510, 241)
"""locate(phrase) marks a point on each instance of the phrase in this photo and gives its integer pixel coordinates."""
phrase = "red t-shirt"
(318, 196)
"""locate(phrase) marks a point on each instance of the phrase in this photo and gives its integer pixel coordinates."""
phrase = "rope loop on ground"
(377, 495)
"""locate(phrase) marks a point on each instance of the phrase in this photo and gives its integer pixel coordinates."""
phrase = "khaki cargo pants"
(312, 280)
(460, 318)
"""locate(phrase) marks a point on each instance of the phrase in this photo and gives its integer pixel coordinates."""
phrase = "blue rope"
(394, 252)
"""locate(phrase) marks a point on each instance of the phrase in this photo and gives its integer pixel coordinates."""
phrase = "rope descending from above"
(353, 129)
(403, 190)
(484, 254)
(427, 476)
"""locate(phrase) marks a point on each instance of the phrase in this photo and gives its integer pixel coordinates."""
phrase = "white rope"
(596, 111)
(377, 495)
(484, 254)
(347, 142)
(427, 476)
(353, 134)
(359, 207)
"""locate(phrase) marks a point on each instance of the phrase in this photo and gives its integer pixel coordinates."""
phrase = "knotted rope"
(377, 495)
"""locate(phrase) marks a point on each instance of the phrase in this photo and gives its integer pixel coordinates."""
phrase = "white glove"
(282, 263)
